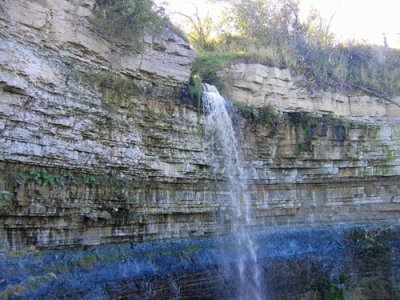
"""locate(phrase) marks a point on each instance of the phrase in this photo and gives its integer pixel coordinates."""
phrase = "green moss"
(117, 90)
(86, 262)
(265, 115)
(114, 185)
(332, 292)
(5, 198)
(345, 279)
(149, 255)
(306, 128)
(185, 256)
(194, 249)
(384, 170)
(37, 282)
(57, 268)
(13, 292)
(166, 253)
(248, 112)
(302, 147)
(108, 258)
(89, 180)
(196, 90)
(40, 177)
(47, 178)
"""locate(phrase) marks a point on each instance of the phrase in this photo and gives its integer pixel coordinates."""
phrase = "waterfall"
(219, 125)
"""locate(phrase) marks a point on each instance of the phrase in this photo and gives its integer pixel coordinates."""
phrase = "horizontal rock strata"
(342, 262)
(100, 146)
(258, 85)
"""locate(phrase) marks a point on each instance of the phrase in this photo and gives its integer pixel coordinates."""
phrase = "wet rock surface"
(321, 263)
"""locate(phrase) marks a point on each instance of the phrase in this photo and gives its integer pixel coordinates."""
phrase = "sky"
(360, 20)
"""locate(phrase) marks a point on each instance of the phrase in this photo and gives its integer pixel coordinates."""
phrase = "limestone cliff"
(102, 147)
(258, 85)
(99, 145)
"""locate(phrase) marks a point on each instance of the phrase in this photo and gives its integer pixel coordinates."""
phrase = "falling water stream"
(219, 123)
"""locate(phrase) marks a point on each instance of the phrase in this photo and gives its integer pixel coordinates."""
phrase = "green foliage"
(207, 64)
(200, 33)
(305, 123)
(270, 32)
(248, 112)
(128, 19)
(300, 118)
(46, 178)
(89, 180)
(15, 291)
(306, 128)
(166, 253)
(270, 117)
(269, 22)
(332, 292)
(196, 90)
(302, 147)
(37, 282)
(66, 179)
(269, 56)
(263, 115)
(183, 255)
(87, 262)
(34, 284)
(5, 197)
(149, 255)
(370, 68)
(40, 177)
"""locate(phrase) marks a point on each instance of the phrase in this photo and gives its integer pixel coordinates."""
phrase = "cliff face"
(325, 263)
(259, 86)
(100, 146)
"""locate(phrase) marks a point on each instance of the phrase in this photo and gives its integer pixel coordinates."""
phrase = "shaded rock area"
(334, 263)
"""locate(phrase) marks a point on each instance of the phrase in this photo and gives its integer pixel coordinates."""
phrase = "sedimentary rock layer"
(258, 85)
(342, 262)
(100, 146)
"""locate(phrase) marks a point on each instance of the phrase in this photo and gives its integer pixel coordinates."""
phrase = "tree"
(201, 28)
(268, 22)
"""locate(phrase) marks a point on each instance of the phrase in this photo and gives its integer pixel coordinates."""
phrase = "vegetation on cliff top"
(270, 32)
(127, 20)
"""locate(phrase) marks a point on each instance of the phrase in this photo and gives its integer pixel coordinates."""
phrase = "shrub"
(207, 64)
(352, 65)
(271, 33)
(262, 115)
(128, 19)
